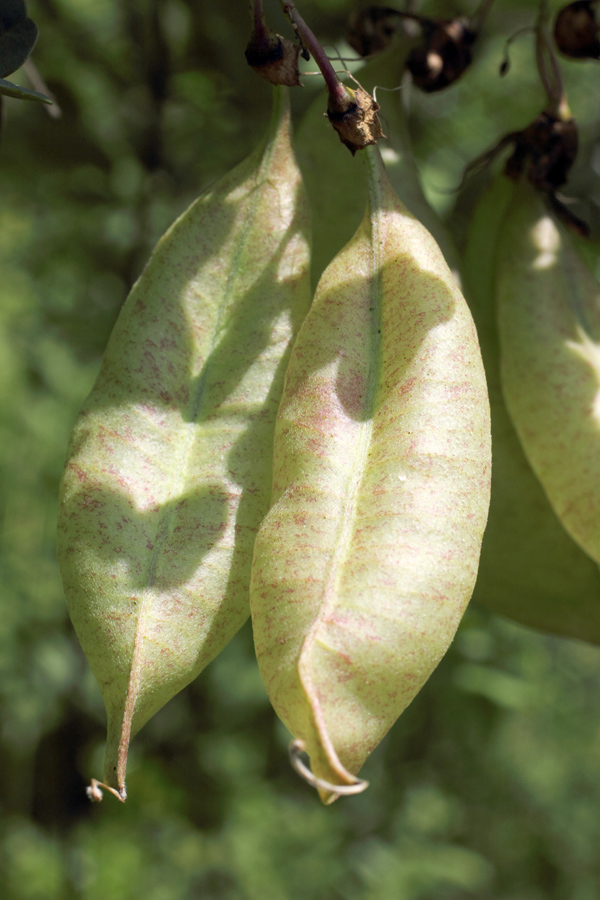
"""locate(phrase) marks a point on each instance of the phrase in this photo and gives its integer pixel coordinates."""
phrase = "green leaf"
(20, 93)
(530, 569)
(549, 329)
(366, 560)
(169, 469)
(11, 12)
(17, 40)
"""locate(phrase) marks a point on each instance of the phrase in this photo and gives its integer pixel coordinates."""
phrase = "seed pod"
(549, 328)
(530, 569)
(366, 560)
(169, 468)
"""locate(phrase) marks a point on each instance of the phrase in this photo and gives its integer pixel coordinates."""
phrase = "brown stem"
(259, 25)
(481, 14)
(547, 63)
(336, 89)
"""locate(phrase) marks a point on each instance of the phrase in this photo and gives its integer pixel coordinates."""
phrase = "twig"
(547, 63)
(337, 91)
(38, 84)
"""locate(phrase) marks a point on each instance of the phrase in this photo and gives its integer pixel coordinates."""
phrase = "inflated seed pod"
(549, 329)
(169, 469)
(368, 556)
(530, 569)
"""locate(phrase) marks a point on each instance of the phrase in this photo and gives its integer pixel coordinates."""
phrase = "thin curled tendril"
(95, 794)
(295, 748)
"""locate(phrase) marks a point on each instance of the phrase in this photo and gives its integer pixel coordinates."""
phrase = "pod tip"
(94, 791)
(332, 791)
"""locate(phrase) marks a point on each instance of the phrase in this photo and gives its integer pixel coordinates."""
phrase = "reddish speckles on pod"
(170, 453)
(549, 329)
(340, 602)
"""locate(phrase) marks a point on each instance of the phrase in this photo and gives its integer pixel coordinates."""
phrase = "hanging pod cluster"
(374, 455)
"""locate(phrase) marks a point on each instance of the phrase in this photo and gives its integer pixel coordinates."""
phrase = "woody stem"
(546, 61)
(336, 90)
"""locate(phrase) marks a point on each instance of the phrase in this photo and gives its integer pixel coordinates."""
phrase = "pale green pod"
(366, 560)
(169, 469)
(530, 569)
(549, 329)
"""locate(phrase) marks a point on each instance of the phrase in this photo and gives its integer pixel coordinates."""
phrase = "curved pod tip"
(327, 791)
(94, 791)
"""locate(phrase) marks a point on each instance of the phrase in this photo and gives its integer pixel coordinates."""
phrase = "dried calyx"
(373, 28)
(577, 31)
(442, 55)
(272, 56)
(353, 114)
(544, 151)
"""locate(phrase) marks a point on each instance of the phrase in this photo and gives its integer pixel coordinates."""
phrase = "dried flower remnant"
(272, 56)
(353, 113)
(545, 151)
(355, 119)
(577, 32)
(373, 29)
(444, 56)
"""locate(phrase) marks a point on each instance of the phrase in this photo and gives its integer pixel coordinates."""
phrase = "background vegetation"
(489, 785)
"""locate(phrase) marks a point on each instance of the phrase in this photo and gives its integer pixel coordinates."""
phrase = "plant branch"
(481, 14)
(336, 89)
(259, 25)
(547, 63)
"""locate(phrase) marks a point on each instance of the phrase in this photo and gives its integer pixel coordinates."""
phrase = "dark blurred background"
(489, 785)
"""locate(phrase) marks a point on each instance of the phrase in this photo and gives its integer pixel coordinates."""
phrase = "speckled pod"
(530, 568)
(549, 328)
(368, 556)
(169, 469)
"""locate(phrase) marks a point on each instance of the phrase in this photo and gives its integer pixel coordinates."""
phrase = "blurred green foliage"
(489, 786)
